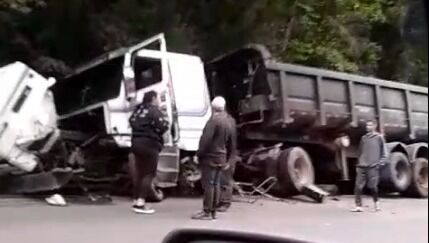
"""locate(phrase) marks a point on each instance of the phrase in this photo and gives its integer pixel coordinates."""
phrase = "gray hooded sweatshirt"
(372, 150)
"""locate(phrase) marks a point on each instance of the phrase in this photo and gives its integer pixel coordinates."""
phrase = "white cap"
(218, 103)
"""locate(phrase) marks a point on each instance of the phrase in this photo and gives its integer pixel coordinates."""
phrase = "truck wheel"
(396, 175)
(419, 182)
(295, 170)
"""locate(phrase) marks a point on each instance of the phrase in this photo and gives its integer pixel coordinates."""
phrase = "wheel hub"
(301, 171)
(401, 172)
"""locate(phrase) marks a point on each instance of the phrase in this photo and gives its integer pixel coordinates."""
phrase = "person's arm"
(160, 122)
(135, 117)
(360, 150)
(383, 150)
(207, 137)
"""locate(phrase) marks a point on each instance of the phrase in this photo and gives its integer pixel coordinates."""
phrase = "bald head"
(218, 104)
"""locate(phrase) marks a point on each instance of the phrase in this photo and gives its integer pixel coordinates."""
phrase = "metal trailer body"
(322, 112)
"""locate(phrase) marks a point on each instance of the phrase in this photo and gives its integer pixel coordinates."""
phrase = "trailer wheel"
(419, 182)
(295, 170)
(396, 175)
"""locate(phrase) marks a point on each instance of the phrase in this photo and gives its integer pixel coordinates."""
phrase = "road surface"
(31, 221)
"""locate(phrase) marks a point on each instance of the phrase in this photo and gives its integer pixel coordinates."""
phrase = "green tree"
(357, 36)
(332, 34)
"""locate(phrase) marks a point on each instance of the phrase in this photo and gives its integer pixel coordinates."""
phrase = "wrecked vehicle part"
(37, 182)
(273, 103)
(27, 114)
(30, 141)
(109, 89)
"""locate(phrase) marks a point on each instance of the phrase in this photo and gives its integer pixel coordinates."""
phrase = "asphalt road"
(30, 221)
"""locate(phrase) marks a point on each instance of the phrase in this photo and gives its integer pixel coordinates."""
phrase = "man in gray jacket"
(372, 154)
(214, 152)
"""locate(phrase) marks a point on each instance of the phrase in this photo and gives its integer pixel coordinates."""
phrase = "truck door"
(152, 74)
(146, 69)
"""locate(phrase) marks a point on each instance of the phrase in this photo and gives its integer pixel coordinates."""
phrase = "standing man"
(148, 125)
(372, 155)
(214, 153)
(227, 176)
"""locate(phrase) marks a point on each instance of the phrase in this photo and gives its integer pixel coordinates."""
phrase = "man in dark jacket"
(214, 153)
(148, 125)
(372, 155)
(227, 176)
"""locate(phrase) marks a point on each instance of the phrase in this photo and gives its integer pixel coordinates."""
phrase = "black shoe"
(202, 216)
(214, 215)
(223, 209)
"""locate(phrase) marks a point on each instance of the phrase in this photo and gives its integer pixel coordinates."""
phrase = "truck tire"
(419, 181)
(395, 176)
(295, 170)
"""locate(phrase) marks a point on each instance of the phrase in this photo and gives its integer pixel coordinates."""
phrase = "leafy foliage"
(375, 37)
(23, 6)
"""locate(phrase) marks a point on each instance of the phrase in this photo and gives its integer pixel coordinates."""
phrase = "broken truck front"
(28, 129)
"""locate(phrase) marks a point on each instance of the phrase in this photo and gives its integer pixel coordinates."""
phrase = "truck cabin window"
(92, 86)
(147, 72)
(21, 100)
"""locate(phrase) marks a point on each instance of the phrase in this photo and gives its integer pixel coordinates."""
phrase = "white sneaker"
(139, 202)
(357, 210)
(143, 209)
(377, 207)
(56, 200)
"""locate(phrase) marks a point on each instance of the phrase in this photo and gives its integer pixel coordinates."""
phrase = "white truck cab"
(107, 90)
(27, 114)
(182, 92)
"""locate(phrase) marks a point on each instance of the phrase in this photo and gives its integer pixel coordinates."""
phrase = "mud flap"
(34, 183)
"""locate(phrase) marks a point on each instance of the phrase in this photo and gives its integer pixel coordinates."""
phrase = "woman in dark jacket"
(148, 125)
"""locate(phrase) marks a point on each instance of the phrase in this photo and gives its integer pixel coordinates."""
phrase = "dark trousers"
(210, 180)
(227, 186)
(145, 167)
(369, 177)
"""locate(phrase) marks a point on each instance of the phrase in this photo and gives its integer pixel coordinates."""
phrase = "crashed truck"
(298, 125)
(28, 131)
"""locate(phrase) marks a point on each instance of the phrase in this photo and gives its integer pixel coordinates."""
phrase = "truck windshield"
(148, 71)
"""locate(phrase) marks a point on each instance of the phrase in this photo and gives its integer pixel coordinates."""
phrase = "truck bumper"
(37, 182)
